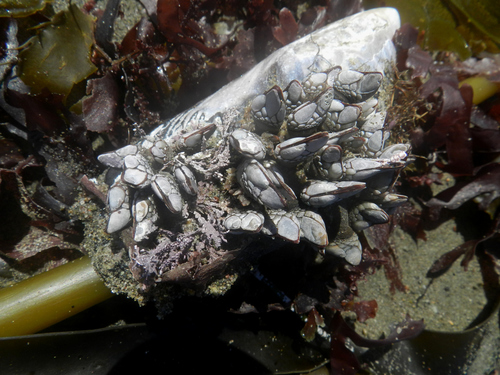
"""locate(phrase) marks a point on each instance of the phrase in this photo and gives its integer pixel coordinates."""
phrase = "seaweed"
(343, 361)
(21, 8)
(465, 28)
(454, 135)
(59, 56)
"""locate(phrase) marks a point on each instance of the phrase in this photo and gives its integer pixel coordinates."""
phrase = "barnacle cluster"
(305, 134)
(343, 157)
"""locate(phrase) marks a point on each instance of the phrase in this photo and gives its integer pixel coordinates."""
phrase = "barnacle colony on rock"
(303, 133)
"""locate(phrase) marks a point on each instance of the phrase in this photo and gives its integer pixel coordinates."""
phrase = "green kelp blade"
(20, 8)
(479, 23)
(484, 14)
(435, 19)
(465, 27)
(59, 56)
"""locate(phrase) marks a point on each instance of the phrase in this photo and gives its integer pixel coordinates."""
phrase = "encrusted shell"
(360, 42)
(318, 79)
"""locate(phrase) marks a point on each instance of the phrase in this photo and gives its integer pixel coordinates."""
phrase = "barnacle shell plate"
(361, 42)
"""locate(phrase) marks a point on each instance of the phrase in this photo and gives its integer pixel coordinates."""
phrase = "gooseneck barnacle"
(271, 154)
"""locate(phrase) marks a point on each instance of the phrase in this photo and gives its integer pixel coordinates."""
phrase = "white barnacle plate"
(265, 183)
(325, 193)
(295, 150)
(249, 221)
(291, 127)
